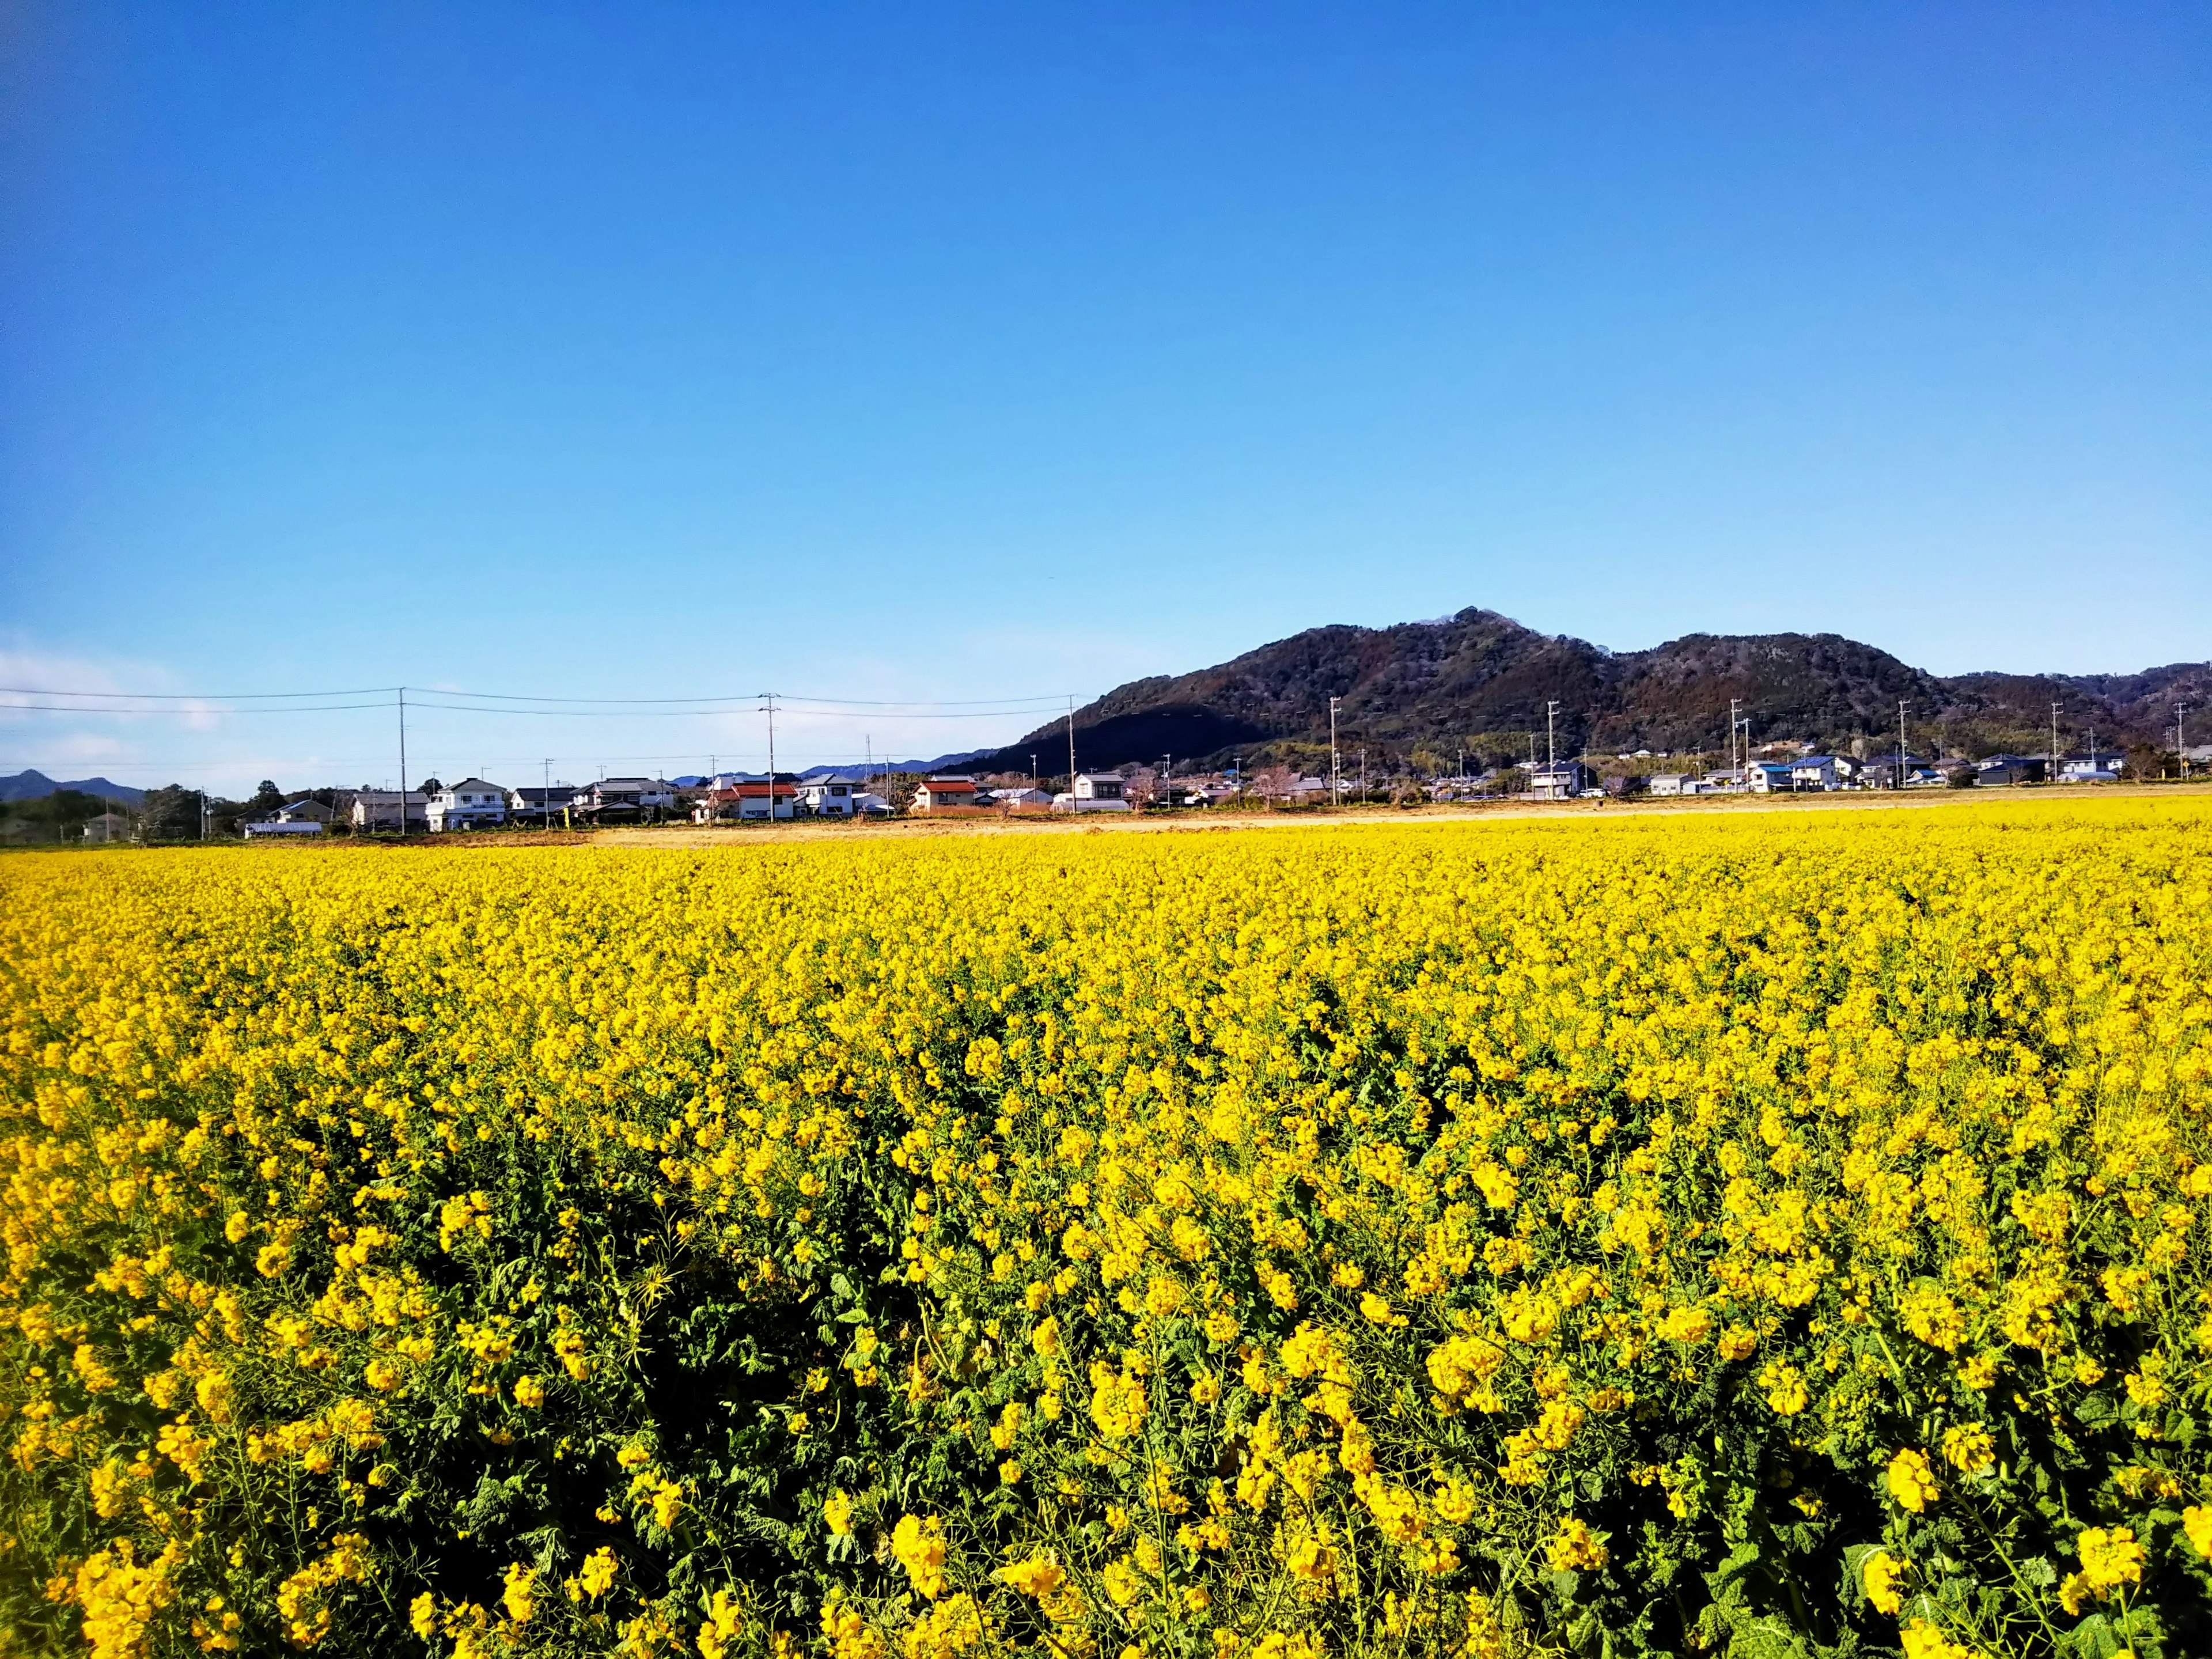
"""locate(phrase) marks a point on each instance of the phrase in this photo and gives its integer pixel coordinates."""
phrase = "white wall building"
(471, 804)
(1094, 791)
(833, 797)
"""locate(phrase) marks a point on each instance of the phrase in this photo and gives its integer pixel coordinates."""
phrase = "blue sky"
(960, 353)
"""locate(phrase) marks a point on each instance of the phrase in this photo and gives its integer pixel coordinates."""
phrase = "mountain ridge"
(1478, 682)
(33, 784)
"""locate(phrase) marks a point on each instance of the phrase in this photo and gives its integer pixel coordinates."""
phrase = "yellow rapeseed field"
(1776, 1235)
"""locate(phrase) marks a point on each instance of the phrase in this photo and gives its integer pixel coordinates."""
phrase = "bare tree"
(1274, 784)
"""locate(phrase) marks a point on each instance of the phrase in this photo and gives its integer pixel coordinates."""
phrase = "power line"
(198, 696)
(708, 704)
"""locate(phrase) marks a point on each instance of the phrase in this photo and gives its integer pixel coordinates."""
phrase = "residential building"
(1677, 783)
(471, 804)
(278, 828)
(2098, 767)
(832, 797)
(306, 809)
(1561, 781)
(1768, 777)
(108, 827)
(1993, 770)
(1020, 798)
(631, 801)
(748, 800)
(935, 795)
(379, 812)
(541, 803)
(1094, 791)
(1816, 772)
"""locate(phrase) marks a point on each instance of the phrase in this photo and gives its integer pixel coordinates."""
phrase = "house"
(107, 828)
(471, 804)
(1678, 783)
(747, 801)
(615, 801)
(2095, 766)
(1560, 781)
(279, 828)
(935, 795)
(1768, 777)
(1020, 798)
(542, 805)
(1816, 772)
(1993, 770)
(306, 809)
(831, 796)
(376, 811)
(1094, 791)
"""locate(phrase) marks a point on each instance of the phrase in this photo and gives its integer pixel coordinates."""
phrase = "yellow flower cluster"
(1253, 1245)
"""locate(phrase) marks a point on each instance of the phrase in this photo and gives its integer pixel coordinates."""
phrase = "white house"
(833, 797)
(2093, 768)
(1020, 798)
(749, 801)
(1094, 791)
(278, 828)
(471, 804)
(1562, 780)
(1677, 783)
(1815, 772)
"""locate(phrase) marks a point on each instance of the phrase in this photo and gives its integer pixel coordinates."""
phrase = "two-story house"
(627, 800)
(832, 797)
(1096, 792)
(540, 803)
(471, 804)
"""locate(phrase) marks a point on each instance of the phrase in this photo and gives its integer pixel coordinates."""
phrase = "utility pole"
(1070, 751)
(545, 800)
(402, 762)
(1335, 791)
(1167, 779)
(2053, 776)
(1551, 743)
(768, 703)
(2180, 752)
(1363, 777)
(1900, 743)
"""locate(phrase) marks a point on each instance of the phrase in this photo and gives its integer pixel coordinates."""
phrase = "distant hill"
(1478, 682)
(37, 785)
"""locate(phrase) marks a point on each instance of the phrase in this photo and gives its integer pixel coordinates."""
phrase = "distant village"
(733, 797)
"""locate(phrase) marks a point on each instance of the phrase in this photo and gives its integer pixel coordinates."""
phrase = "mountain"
(1478, 682)
(37, 785)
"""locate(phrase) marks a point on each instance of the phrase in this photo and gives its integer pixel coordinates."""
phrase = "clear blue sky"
(950, 352)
